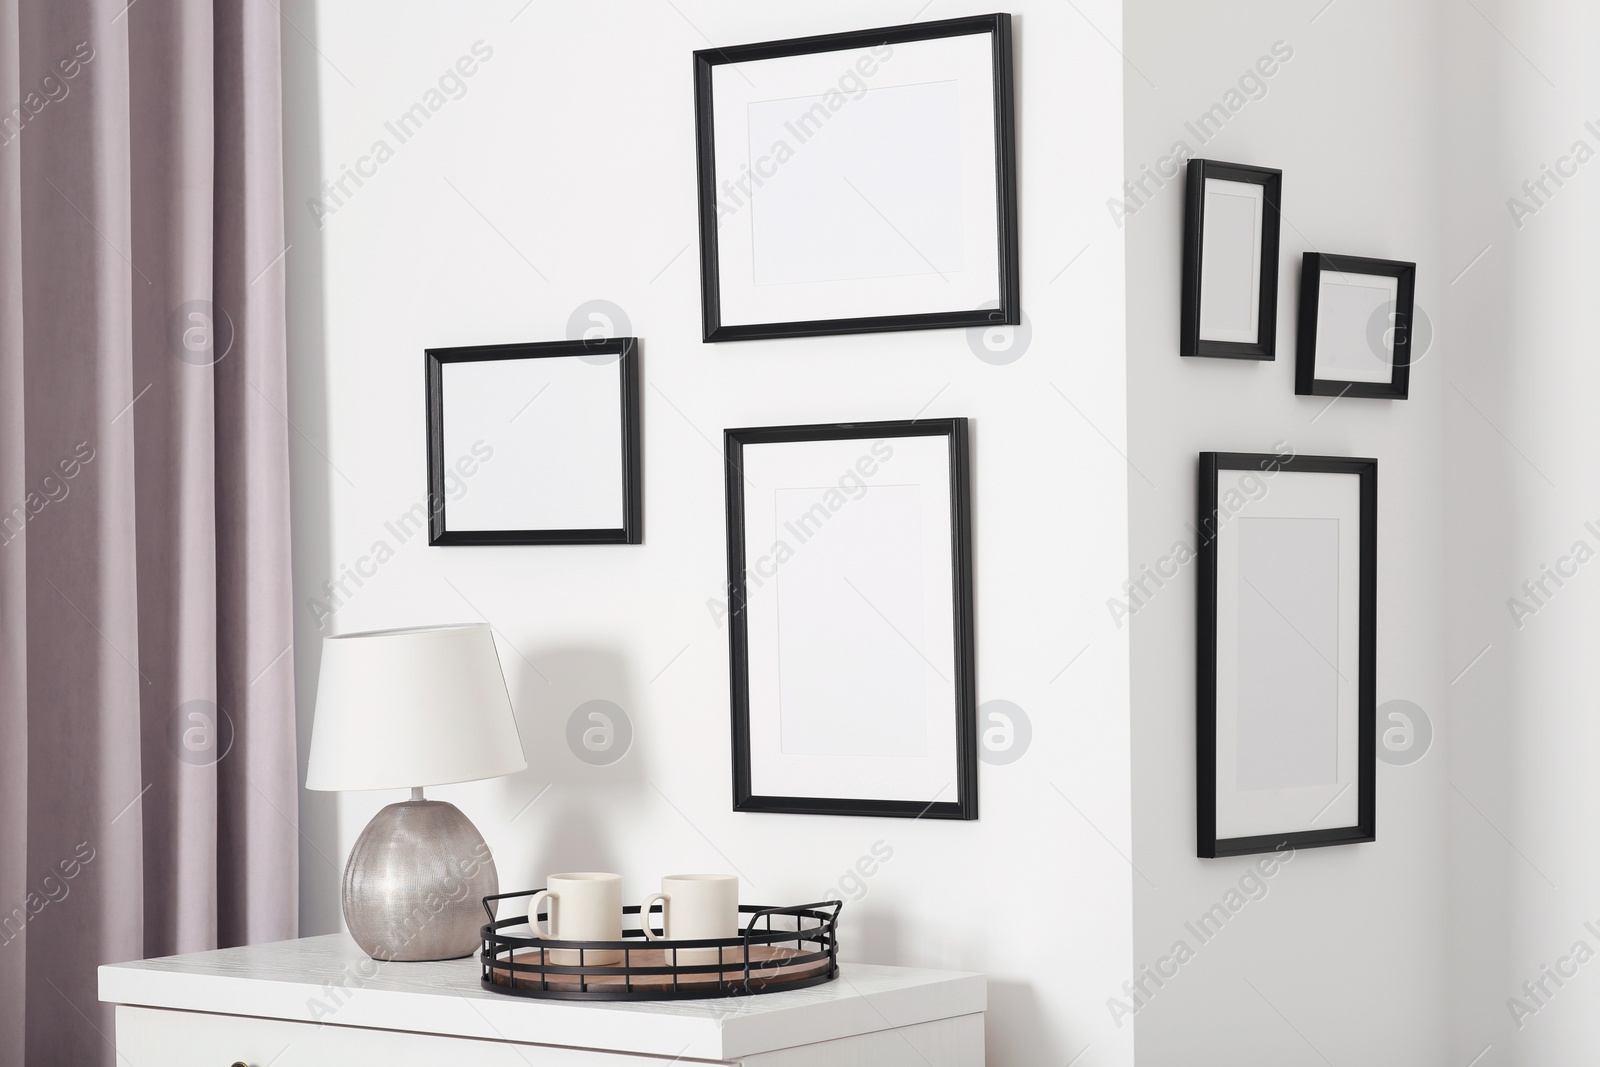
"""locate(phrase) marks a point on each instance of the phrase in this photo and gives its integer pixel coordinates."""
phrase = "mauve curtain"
(147, 753)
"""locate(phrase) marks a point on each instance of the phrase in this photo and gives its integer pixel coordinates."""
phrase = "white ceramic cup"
(696, 906)
(583, 907)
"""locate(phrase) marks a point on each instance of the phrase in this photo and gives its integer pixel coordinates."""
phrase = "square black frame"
(1009, 311)
(626, 350)
(965, 806)
(1190, 343)
(1365, 828)
(1306, 382)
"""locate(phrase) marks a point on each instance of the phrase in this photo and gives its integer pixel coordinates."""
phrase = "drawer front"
(195, 1039)
(953, 1042)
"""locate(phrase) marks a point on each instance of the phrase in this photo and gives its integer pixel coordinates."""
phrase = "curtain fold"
(258, 866)
(147, 754)
(13, 560)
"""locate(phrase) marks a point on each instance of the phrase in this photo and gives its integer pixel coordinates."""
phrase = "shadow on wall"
(1016, 1027)
(1487, 486)
(574, 709)
(872, 935)
(310, 474)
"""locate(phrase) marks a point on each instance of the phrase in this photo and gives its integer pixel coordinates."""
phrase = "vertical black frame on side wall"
(1393, 334)
(963, 775)
(1006, 310)
(1264, 347)
(595, 350)
(1213, 524)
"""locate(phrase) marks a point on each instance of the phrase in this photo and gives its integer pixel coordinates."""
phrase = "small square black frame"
(626, 350)
(1009, 309)
(1306, 382)
(965, 806)
(1365, 828)
(1190, 343)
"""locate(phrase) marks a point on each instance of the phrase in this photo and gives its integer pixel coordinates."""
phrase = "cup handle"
(533, 913)
(644, 916)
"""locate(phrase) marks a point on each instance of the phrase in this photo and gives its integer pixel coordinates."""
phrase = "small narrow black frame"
(1009, 309)
(1306, 382)
(1365, 828)
(965, 806)
(1266, 343)
(626, 350)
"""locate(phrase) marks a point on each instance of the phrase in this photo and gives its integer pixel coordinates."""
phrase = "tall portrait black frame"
(1209, 846)
(965, 804)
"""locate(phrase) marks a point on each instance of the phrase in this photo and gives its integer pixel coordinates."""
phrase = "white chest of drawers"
(320, 1001)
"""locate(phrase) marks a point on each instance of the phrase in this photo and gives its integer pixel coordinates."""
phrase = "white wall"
(1521, 442)
(1346, 959)
(566, 173)
(1402, 129)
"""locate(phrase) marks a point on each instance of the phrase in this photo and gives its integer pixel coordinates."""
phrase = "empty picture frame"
(850, 636)
(858, 181)
(1286, 663)
(1230, 261)
(534, 444)
(1355, 326)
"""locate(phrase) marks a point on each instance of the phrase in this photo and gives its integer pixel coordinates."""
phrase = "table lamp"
(407, 709)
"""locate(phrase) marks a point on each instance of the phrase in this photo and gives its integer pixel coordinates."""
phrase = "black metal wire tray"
(763, 959)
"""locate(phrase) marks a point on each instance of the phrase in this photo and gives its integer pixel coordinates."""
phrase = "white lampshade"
(416, 707)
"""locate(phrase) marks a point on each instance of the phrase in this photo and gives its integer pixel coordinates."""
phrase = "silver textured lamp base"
(414, 886)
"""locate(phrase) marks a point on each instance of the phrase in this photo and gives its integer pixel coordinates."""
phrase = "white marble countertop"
(329, 980)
